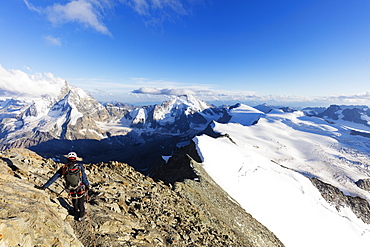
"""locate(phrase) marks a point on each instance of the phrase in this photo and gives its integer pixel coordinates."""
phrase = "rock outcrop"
(125, 208)
(357, 114)
(334, 196)
(364, 184)
(29, 217)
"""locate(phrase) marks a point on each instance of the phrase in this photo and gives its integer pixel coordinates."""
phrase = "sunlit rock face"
(125, 208)
(28, 216)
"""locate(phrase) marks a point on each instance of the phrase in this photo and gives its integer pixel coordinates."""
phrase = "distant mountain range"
(52, 125)
(75, 120)
(357, 114)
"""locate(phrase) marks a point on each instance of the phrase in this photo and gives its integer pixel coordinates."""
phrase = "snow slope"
(266, 168)
(244, 115)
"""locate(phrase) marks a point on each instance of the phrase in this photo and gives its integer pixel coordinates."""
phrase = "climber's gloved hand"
(87, 187)
(40, 187)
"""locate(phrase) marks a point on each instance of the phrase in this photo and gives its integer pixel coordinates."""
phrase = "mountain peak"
(244, 114)
(190, 101)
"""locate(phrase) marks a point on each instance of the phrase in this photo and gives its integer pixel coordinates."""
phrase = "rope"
(89, 219)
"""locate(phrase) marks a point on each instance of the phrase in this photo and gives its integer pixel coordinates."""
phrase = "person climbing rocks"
(76, 183)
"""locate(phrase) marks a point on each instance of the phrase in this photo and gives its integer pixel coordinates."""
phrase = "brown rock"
(125, 208)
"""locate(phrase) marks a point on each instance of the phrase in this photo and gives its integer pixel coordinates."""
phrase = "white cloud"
(165, 8)
(85, 12)
(140, 6)
(80, 11)
(251, 98)
(27, 68)
(304, 101)
(31, 7)
(165, 91)
(361, 98)
(91, 13)
(50, 40)
(15, 83)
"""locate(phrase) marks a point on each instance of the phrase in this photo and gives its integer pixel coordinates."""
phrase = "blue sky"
(139, 51)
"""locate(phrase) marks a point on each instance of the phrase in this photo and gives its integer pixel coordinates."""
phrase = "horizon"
(286, 53)
(18, 84)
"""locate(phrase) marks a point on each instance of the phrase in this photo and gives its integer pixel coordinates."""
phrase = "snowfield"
(265, 167)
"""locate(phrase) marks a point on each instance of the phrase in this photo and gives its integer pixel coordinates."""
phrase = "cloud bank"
(16, 83)
(165, 91)
(251, 98)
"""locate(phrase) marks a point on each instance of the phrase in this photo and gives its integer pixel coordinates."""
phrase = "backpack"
(72, 175)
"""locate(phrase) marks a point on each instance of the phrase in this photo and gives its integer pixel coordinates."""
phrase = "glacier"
(266, 168)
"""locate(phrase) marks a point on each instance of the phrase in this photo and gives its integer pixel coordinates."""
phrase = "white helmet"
(72, 155)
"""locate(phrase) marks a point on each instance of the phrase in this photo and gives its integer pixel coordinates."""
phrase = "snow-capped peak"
(177, 115)
(244, 114)
(46, 107)
(190, 103)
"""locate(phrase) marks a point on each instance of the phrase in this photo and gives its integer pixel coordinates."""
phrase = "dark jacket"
(59, 174)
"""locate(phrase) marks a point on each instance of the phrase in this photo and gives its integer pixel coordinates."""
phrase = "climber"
(76, 183)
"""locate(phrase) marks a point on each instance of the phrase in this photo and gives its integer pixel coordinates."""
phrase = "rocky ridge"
(28, 216)
(334, 196)
(358, 114)
(125, 208)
